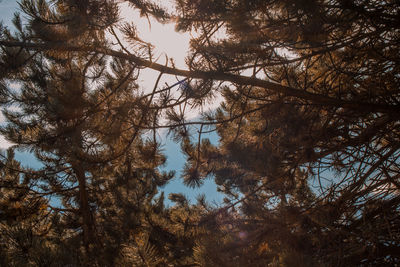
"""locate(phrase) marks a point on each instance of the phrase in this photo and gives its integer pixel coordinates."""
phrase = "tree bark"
(87, 218)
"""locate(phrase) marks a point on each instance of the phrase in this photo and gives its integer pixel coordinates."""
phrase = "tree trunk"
(87, 219)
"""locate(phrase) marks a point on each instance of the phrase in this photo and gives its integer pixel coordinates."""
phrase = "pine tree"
(27, 236)
(312, 159)
(308, 151)
(76, 113)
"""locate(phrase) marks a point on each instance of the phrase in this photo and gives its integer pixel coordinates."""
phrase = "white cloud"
(4, 144)
(163, 36)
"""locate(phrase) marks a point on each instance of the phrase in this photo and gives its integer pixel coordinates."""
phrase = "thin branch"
(220, 76)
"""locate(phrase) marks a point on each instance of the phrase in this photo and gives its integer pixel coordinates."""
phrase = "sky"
(167, 42)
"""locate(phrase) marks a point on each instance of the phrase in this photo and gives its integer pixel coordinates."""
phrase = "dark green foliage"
(76, 114)
(308, 152)
(302, 168)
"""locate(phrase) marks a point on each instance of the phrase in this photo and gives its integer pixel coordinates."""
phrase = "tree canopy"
(308, 151)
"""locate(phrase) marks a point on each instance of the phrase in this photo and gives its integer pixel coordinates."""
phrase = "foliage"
(308, 152)
(313, 169)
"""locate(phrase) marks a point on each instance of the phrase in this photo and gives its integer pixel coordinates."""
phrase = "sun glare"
(165, 39)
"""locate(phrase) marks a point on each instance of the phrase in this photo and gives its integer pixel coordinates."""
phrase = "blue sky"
(7, 9)
(175, 159)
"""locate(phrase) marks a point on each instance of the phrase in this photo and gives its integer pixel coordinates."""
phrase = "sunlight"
(166, 42)
(165, 39)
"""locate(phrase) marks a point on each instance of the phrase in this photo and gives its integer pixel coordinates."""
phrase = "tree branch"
(221, 76)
